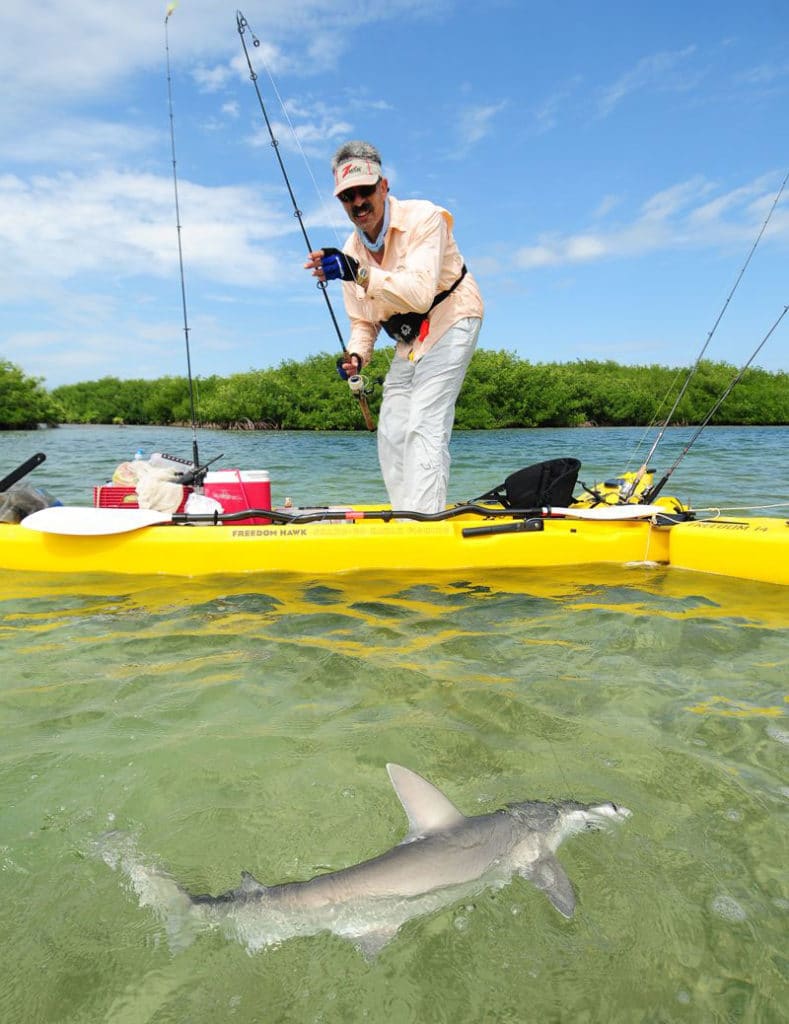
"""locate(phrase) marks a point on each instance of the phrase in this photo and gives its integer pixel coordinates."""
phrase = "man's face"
(365, 204)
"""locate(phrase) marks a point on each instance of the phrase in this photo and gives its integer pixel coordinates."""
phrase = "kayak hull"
(748, 549)
(754, 549)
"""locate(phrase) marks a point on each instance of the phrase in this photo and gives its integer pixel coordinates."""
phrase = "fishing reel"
(360, 385)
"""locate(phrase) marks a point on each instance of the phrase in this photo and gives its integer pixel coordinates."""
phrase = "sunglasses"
(360, 192)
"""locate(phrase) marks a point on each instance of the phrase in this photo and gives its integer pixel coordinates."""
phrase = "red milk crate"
(110, 496)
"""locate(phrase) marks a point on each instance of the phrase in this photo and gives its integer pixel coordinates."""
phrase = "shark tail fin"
(153, 887)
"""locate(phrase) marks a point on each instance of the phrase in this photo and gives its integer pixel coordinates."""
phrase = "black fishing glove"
(337, 265)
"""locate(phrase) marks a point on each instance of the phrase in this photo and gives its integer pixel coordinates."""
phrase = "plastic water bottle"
(138, 455)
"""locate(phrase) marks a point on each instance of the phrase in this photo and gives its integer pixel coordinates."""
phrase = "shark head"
(541, 828)
(557, 821)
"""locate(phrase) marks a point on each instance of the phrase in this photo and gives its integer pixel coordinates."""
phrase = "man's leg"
(437, 380)
(392, 428)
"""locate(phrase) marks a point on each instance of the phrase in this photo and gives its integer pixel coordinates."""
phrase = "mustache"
(361, 208)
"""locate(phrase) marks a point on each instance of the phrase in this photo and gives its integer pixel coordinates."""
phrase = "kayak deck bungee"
(747, 548)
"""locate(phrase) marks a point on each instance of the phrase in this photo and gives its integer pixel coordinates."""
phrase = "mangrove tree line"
(500, 390)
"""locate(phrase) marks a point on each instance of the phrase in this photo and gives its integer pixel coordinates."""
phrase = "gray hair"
(355, 149)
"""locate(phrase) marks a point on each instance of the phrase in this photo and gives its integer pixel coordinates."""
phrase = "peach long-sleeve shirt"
(421, 259)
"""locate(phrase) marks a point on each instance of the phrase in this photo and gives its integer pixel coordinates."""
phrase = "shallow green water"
(243, 724)
(235, 727)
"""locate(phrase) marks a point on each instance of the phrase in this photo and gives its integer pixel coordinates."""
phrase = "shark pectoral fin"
(427, 808)
(549, 876)
(371, 943)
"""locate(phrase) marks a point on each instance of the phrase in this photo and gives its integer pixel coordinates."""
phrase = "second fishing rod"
(355, 383)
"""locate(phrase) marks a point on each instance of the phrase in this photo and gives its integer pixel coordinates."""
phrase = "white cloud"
(212, 79)
(606, 205)
(75, 140)
(310, 138)
(63, 50)
(121, 225)
(764, 74)
(547, 112)
(659, 71)
(670, 201)
(476, 122)
(675, 218)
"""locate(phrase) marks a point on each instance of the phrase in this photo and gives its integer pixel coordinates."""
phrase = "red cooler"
(239, 489)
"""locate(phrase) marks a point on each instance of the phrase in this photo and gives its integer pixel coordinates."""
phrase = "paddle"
(87, 521)
(20, 471)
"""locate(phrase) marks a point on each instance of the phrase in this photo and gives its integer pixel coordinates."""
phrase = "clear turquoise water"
(243, 724)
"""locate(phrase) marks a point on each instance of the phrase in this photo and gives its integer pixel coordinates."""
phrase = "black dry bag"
(545, 483)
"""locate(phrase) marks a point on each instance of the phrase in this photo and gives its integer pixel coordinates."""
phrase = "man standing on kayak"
(402, 270)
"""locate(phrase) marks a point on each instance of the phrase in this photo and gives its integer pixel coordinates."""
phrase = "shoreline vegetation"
(500, 391)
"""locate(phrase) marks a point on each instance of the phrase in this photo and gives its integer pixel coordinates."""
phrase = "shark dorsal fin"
(427, 808)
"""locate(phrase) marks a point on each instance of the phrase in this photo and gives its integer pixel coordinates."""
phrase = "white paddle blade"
(609, 513)
(87, 521)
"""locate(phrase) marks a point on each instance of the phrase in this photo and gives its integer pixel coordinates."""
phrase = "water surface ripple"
(243, 724)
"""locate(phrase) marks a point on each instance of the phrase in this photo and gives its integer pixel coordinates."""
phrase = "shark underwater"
(446, 856)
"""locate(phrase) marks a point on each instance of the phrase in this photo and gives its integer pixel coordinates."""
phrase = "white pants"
(417, 415)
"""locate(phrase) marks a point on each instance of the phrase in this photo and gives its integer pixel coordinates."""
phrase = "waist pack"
(408, 327)
(545, 483)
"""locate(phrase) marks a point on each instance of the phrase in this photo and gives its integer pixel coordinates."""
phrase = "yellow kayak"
(745, 548)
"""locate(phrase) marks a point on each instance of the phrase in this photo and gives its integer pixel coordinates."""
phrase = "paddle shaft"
(15, 475)
(98, 522)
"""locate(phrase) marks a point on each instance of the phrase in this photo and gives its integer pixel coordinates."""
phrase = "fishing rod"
(356, 382)
(631, 490)
(650, 495)
(195, 455)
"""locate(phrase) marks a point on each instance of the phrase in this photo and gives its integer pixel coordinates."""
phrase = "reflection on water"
(237, 725)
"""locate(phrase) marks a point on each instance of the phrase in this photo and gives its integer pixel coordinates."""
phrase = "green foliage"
(500, 391)
(23, 401)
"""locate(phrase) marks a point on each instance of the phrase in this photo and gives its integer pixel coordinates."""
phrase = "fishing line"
(356, 383)
(649, 496)
(294, 134)
(727, 509)
(195, 456)
(325, 207)
(699, 357)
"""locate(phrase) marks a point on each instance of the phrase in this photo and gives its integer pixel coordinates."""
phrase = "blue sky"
(609, 167)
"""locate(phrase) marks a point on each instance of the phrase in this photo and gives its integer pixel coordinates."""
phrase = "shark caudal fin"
(426, 807)
(153, 887)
